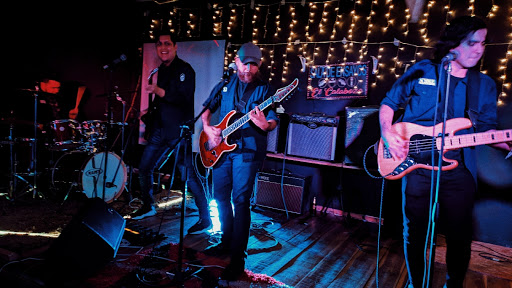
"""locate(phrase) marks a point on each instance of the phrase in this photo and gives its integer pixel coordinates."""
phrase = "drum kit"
(82, 162)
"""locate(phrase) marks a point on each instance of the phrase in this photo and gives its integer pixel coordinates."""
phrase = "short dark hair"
(174, 36)
(456, 31)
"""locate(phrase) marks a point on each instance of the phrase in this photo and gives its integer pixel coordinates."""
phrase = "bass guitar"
(421, 139)
(149, 117)
(210, 155)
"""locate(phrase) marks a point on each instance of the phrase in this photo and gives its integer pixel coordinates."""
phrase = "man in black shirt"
(173, 106)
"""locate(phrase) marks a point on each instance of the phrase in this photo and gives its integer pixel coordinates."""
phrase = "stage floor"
(316, 250)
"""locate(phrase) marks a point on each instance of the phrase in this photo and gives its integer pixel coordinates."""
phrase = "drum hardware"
(14, 175)
(89, 177)
(64, 135)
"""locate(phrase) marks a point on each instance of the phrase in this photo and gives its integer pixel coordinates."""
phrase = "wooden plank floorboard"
(309, 258)
(321, 250)
(333, 261)
(391, 266)
(294, 241)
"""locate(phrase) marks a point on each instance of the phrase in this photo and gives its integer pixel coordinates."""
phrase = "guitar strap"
(472, 92)
(247, 93)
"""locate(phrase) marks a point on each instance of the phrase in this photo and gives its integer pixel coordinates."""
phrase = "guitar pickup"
(387, 155)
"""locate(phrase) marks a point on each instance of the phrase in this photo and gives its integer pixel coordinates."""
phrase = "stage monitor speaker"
(313, 136)
(276, 138)
(362, 131)
(268, 192)
(89, 241)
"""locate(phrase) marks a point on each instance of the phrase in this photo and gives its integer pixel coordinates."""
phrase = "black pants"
(457, 191)
(153, 156)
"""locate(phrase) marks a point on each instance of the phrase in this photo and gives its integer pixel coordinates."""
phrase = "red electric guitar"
(420, 146)
(210, 155)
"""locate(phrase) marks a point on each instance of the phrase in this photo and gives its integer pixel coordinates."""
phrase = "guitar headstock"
(283, 92)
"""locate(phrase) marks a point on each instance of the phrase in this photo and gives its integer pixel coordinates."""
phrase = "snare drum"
(86, 172)
(64, 135)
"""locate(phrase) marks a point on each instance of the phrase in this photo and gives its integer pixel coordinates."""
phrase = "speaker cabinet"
(276, 138)
(362, 131)
(89, 241)
(313, 136)
(268, 192)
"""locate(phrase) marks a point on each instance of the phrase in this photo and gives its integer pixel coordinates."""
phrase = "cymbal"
(118, 123)
(28, 90)
(9, 121)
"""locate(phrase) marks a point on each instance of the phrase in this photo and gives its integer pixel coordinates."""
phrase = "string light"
(289, 46)
(363, 51)
(504, 62)
(471, 7)
(316, 38)
(309, 38)
(348, 45)
(255, 17)
(217, 20)
(336, 24)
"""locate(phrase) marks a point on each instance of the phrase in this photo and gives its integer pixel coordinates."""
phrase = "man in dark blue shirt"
(471, 95)
(234, 173)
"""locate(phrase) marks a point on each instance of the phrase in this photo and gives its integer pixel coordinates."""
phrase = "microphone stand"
(107, 130)
(435, 212)
(186, 137)
(34, 147)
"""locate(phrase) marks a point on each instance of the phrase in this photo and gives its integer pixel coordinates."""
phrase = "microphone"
(232, 67)
(152, 73)
(452, 55)
(230, 71)
(115, 62)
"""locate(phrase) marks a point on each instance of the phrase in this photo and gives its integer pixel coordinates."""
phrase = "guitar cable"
(380, 210)
(430, 228)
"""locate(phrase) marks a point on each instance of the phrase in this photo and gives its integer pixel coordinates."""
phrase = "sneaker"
(201, 226)
(234, 271)
(143, 213)
(217, 250)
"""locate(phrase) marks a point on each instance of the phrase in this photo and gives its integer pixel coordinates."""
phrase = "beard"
(246, 77)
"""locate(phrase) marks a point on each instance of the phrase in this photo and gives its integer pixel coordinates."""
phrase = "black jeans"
(154, 154)
(233, 183)
(457, 191)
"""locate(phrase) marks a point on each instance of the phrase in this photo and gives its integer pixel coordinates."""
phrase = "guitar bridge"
(406, 164)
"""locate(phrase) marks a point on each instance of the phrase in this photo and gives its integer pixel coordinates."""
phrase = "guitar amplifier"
(361, 132)
(276, 139)
(313, 136)
(268, 192)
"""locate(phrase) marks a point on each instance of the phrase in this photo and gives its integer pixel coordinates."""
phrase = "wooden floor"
(325, 250)
(318, 250)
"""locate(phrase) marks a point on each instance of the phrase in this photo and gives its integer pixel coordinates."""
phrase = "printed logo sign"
(340, 81)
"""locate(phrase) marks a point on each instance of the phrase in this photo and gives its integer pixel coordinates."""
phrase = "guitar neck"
(244, 119)
(475, 139)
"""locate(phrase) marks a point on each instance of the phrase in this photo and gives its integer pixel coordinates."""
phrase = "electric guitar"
(210, 155)
(149, 119)
(420, 146)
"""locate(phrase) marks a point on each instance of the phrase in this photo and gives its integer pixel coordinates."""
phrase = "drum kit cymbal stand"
(14, 176)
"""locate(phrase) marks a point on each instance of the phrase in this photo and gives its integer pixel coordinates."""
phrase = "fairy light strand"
(312, 44)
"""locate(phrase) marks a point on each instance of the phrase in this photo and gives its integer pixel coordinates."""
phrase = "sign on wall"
(338, 81)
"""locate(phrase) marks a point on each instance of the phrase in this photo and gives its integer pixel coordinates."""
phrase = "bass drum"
(85, 172)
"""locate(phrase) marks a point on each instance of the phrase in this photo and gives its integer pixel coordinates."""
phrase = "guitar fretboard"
(278, 96)
(244, 119)
(467, 140)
